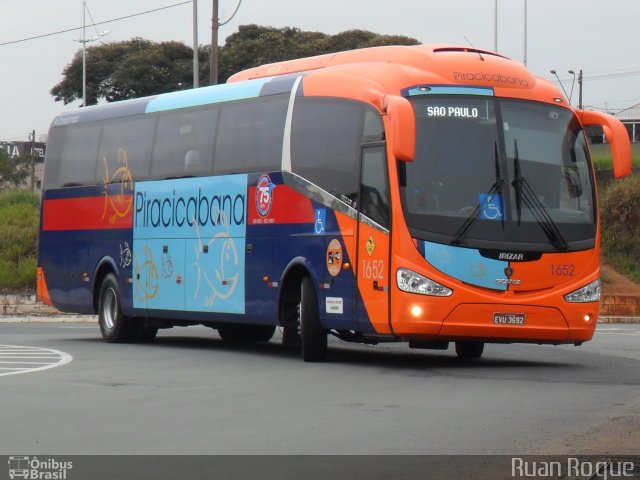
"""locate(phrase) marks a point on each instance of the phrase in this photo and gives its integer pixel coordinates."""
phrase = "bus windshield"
(499, 173)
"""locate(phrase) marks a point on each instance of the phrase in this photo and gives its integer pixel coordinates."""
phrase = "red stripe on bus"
(88, 213)
(281, 211)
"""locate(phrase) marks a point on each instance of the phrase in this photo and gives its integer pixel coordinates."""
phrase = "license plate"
(508, 318)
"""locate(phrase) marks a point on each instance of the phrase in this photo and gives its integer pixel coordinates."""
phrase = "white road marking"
(619, 332)
(17, 354)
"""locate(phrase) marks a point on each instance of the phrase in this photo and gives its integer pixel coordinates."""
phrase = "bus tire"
(114, 325)
(469, 350)
(246, 333)
(313, 339)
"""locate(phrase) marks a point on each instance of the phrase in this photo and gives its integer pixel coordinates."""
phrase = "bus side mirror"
(403, 125)
(617, 136)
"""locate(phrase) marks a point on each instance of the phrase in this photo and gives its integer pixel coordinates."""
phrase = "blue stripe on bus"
(207, 95)
(466, 265)
(449, 90)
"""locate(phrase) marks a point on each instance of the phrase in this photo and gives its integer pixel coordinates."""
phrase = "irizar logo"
(518, 257)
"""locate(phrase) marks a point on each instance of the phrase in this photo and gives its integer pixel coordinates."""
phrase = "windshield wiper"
(495, 188)
(525, 193)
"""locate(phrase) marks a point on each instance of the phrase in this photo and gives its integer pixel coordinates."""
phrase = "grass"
(601, 155)
(19, 218)
(620, 215)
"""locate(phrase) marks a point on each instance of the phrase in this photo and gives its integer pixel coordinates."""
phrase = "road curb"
(49, 319)
(618, 319)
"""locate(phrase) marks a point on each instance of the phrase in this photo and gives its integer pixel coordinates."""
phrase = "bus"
(429, 194)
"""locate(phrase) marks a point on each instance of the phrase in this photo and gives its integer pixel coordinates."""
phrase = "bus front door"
(373, 269)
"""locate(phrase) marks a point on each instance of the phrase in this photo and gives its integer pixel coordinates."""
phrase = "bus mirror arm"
(403, 127)
(617, 137)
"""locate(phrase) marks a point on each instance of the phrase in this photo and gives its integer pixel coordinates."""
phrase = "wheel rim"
(109, 308)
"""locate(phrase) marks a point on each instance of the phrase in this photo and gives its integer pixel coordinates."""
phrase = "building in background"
(28, 149)
(630, 117)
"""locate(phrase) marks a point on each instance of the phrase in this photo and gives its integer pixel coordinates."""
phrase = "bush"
(620, 215)
(19, 220)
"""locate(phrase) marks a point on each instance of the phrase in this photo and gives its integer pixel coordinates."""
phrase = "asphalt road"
(190, 393)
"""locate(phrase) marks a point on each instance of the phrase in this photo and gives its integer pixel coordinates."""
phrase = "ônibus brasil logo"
(38, 469)
(264, 195)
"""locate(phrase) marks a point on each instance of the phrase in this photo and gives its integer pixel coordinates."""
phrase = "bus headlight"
(588, 293)
(412, 282)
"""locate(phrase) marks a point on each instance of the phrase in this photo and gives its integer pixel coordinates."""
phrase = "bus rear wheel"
(313, 339)
(469, 350)
(114, 325)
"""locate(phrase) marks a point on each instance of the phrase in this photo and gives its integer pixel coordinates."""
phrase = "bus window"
(55, 145)
(551, 145)
(184, 143)
(250, 135)
(373, 130)
(125, 143)
(78, 165)
(326, 139)
(374, 196)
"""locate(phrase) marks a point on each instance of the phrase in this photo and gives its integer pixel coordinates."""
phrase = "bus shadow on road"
(395, 356)
(507, 358)
(425, 359)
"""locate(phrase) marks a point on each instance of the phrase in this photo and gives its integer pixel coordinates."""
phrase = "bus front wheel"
(114, 325)
(469, 350)
(313, 339)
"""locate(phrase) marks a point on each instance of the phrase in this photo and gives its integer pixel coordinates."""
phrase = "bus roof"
(435, 64)
(362, 74)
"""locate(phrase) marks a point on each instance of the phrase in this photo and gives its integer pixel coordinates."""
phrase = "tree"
(139, 67)
(128, 69)
(254, 45)
(13, 170)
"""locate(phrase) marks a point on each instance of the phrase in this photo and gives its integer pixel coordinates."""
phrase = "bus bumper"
(506, 323)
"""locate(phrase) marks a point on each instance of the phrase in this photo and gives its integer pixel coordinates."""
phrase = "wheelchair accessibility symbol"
(492, 206)
(320, 221)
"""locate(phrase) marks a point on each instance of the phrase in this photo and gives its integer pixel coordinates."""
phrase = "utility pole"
(32, 160)
(525, 32)
(495, 26)
(84, 40)
(580, 89)
(213, 60)
(84, 54)
(196, 67)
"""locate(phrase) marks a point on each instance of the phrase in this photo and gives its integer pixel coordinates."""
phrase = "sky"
(562, 35)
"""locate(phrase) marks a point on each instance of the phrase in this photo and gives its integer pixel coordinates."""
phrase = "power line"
(93, 25)
(232, 15)
(604, 75)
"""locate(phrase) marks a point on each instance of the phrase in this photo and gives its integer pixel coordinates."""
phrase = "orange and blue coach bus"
(426, 194)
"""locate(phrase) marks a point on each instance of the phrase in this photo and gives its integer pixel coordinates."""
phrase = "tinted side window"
(373, 130)
(125, 143)
(79, 155)
(54, 156)
(250, 135)
(326, 138)
(374, 197)
(184, 142)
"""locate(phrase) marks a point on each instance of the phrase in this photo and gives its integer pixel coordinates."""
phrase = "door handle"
(377, 287)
